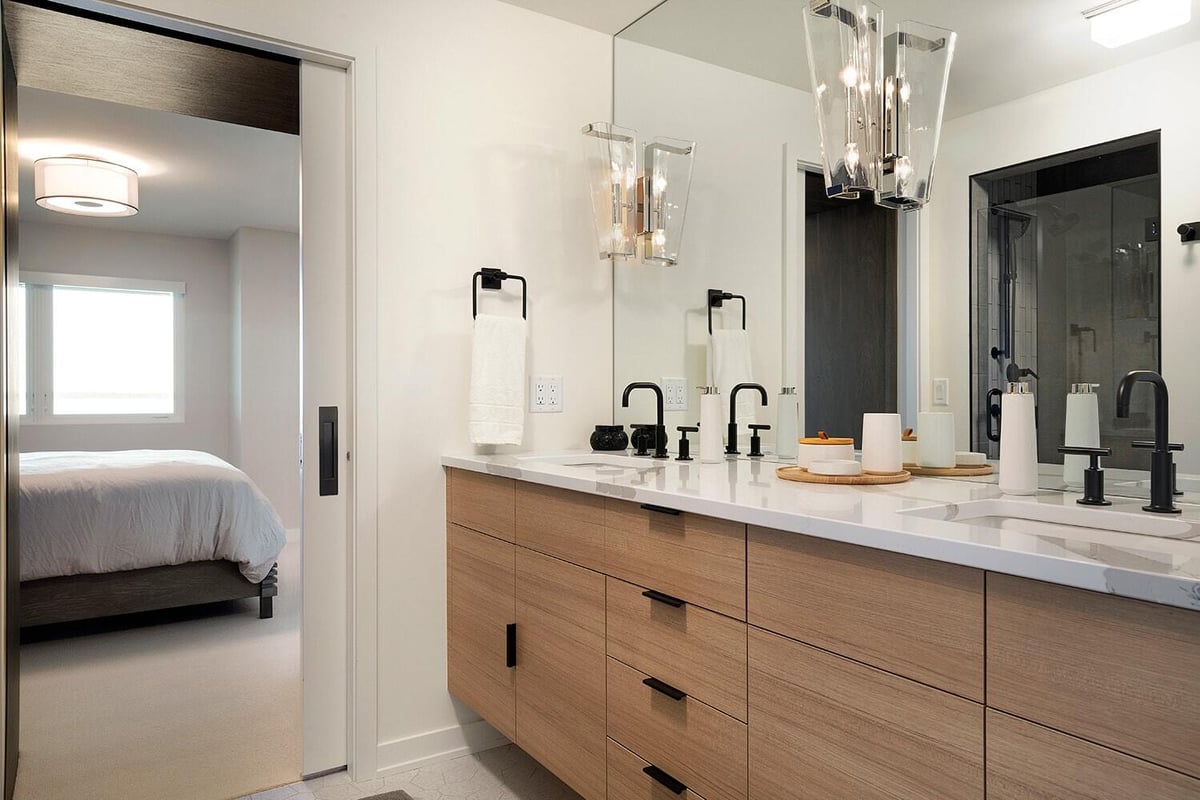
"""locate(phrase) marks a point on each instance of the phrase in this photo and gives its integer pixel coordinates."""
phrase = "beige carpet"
(200, 709)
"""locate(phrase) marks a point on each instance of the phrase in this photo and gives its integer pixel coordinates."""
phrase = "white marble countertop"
(1160, 569)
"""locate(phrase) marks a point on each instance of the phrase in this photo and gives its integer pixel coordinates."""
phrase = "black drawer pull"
(665, 599)
(669, 781)
(510, 644)
(664, 688)
(661, 509)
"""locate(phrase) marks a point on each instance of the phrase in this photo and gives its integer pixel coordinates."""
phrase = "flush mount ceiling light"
(1123, 21)
(85, 186)
(879, 99)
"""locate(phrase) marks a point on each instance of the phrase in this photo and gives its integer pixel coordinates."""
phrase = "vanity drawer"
(693, 649)
(560, 523)
(628, 780)
(918, 618)
(698, 559)
(484, 503)
(1118, 672)
(1028, 762)
(822, 726)
(695, 743)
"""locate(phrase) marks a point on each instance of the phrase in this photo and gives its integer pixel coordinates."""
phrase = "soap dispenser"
(1018, 440)
(711, 423)
(787, 427)
(1082, 429)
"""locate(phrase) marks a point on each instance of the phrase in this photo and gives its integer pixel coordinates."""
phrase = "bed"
(108, 533)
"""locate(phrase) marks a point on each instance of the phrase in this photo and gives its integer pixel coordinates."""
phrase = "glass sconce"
(611, 154)
(638, 210)
(879, 101)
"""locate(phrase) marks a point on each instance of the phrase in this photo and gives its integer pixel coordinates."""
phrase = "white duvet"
(103, 512)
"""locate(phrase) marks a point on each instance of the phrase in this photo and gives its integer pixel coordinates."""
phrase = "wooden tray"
(802, 475)
(950, 472)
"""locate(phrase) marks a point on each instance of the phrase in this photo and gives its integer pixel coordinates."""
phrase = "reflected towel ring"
(493, 279)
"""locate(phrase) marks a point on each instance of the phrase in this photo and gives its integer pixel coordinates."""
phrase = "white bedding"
(103, 512)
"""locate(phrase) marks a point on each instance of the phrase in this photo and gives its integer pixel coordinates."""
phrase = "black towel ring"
(717, 298)
(492, 279)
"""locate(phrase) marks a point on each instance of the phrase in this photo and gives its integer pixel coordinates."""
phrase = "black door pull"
(665, 688)
(665, 599)
(510, 644)
(661, 509)
(671, 782)
(327, 461)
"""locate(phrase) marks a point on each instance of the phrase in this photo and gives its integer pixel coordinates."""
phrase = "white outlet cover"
(545, 394)
(674, 394)
(941, 391)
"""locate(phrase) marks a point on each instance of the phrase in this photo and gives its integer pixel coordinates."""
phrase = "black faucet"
(660, 432)
(1162, 500)
(731, 446)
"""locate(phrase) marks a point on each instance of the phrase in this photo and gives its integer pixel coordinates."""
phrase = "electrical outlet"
(545, 394)
(941, 391)
(674, 394)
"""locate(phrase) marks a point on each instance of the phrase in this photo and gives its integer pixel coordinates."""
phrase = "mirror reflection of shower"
(1065, 290)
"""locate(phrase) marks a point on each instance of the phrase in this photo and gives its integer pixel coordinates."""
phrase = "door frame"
(362, 267)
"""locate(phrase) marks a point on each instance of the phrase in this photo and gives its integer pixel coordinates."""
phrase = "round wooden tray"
(802, 475)
(950, 472)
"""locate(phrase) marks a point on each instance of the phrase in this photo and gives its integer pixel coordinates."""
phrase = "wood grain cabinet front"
(918, 618)
(1122, 673)
(693, 649)
(481, 605)
(633, 778)
(1029, 762)
(484, 503)
(563, 524)
(560, 678)
(703, 748)
(822, 726)
(698, 559)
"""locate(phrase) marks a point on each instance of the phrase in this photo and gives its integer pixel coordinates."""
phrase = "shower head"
(1060, 223)
(1017, 221)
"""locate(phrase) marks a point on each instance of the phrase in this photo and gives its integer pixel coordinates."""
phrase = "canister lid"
(823, 438)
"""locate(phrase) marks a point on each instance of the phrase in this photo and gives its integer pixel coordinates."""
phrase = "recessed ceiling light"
(1123, 21)
(85, 186)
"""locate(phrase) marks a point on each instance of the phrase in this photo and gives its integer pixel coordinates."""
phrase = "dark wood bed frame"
(81, 597)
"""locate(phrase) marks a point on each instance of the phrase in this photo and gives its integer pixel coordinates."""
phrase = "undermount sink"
(1042, 519)
(597, 461)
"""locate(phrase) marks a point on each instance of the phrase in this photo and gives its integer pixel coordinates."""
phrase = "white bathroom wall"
(735, 227)
(203, 264)
(477, 111)
(1135, 98)
(265, 413)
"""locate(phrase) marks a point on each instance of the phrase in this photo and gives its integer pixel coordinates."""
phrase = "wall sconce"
(879, 101)
(638, 212)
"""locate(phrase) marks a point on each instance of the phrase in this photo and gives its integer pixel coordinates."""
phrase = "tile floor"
(504, 773)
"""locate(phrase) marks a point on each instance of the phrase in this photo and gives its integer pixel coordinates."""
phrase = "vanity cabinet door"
(560, 669)
(484, 503)
(480, 588)
(822, 726)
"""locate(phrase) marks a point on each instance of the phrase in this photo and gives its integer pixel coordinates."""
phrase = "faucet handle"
(640, 434)
(1173, 447)
(684, 445)
(756, 440)
(1093, 476)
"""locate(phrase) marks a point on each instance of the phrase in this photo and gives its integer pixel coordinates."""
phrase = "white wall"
(478, 109)
(1135, 98)
(203, 264)
(265, 411)
(735, 229)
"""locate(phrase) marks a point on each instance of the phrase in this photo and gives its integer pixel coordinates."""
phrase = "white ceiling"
(606, 16)
(1006, 49)
(197, 177)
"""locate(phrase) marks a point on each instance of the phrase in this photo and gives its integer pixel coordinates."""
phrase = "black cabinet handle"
(510, 644)
(661, 509)
(665, 599)
(327, 460)
(671, 782)
(664, 688)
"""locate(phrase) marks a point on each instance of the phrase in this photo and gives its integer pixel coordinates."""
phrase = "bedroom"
(159, 440)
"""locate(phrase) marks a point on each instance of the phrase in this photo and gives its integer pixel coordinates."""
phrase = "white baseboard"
(399, 755)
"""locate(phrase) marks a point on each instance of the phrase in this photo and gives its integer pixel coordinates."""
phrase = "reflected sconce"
(879, 101)
(638, 209)
(85, 186)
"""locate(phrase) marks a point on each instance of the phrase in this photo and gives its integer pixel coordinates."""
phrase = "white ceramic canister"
(823, 448)
(712, 424)
(1018, 440)
(881, 452)
(787, 424)
(935, 442)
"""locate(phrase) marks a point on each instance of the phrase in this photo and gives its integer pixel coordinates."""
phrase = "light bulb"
(660, 184)
(904, 170)
(905, 91)
(849, 76)
(851, 156)
(660, 238)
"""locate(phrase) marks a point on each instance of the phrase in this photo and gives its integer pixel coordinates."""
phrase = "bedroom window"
(101, 349)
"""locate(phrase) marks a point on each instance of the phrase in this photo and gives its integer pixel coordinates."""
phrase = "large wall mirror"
(1064, 169)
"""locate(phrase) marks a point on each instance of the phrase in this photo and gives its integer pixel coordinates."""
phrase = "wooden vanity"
(642, 653)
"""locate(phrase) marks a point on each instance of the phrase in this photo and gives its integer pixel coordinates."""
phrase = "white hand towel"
(728, 365)
(496, 413)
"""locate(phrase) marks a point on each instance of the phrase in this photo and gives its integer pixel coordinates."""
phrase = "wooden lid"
(823, 438)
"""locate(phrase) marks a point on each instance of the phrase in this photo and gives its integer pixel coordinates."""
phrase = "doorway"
(850, 276)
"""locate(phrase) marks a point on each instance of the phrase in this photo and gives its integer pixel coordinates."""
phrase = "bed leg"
(266, 593)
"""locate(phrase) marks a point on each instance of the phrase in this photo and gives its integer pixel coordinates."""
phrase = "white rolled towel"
(496, 411)
(729, 363)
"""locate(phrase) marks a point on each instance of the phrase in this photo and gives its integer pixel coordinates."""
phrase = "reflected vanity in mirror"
(1050, 235)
